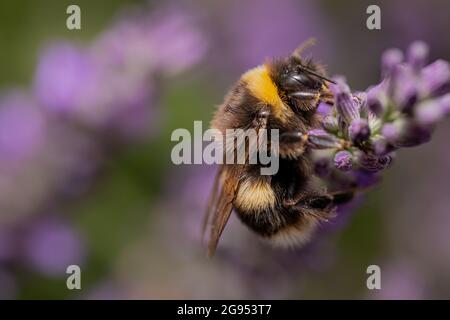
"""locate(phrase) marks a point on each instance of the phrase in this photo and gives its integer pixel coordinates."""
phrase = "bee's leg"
(292, 144)
(346, 195)
(260, 120)
(319, 206)
(341, 197)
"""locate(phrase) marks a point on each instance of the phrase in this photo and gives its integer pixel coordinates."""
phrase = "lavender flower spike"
(359, 131)
(346, 105)
(401, 111)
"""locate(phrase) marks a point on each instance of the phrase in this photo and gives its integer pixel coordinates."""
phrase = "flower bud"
(320, 139)
(429, 112)
(373, 163)
(376, 98)
(324, 109)
(435, 77)
(412, 134)
(390, 132)
(405, 88)
(343, 160)
(359, 131)
(390, 60)
(330, 124)
(417, 54)
(346, 106)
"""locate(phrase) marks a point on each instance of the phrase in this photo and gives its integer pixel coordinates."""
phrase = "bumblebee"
(287, 207)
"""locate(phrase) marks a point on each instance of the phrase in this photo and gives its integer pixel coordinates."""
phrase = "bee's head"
(302, 83)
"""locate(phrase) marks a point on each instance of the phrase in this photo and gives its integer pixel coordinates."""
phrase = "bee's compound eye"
(296, 81)
(309, 81)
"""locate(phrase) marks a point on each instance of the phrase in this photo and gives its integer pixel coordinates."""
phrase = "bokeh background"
(85, 171)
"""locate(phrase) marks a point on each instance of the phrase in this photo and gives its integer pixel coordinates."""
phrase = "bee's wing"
(220, 205)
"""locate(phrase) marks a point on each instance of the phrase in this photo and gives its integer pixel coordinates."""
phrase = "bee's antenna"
(305, 45)
(316, 74)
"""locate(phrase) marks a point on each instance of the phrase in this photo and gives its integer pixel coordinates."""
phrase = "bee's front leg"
(260, 119)
(292, 144)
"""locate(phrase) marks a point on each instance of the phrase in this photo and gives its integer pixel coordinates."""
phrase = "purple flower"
(401, 281)
(417, 54)
(65, 74)
(430, 112)
(435, 77)
(376, 98)
(139, 47)
(391, 132)
(330, 124)
(390, 60)
(413, 134)
(51, 245)
(405, 85)
(320, 139)
(374, 163)
(359, 131)
(380, 145)
(187, 43)
(324, 109)
(346, 106)
(21, 127)
(343, 160)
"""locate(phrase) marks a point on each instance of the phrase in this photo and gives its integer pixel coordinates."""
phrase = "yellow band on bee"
(262, 87)
(255, 195)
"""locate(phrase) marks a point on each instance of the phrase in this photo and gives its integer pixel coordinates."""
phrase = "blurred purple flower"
(390, 60)
(401, 281)
(186, 46)
(64, 75)
(417, 54)
(110, 84)
(21, 127)
(256, 30)
(436, 76)
(51, 245)
(106, 290)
